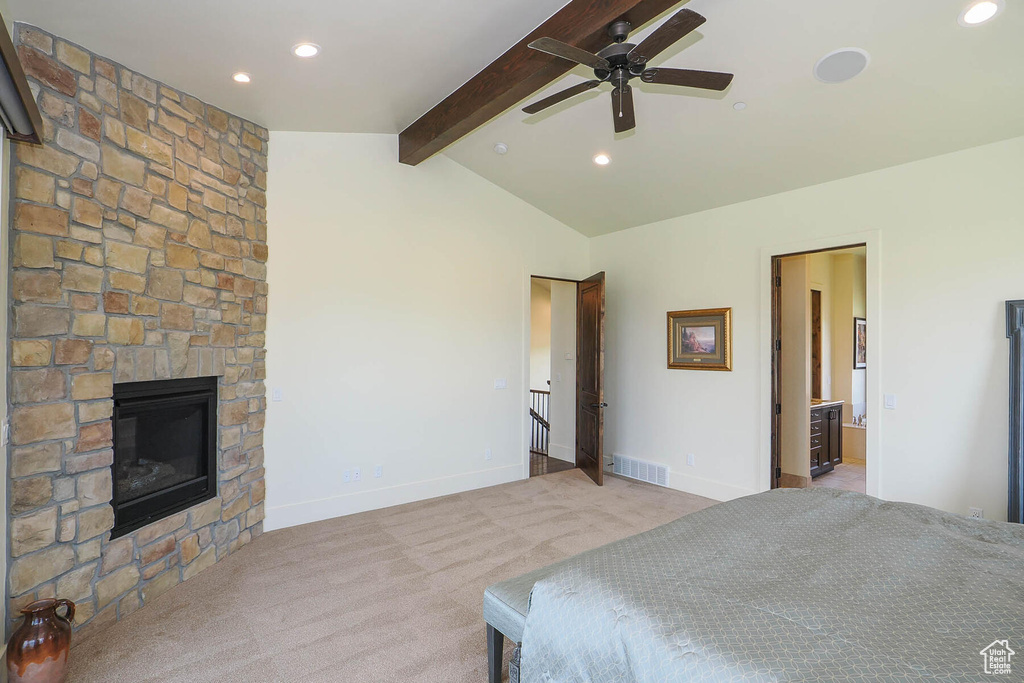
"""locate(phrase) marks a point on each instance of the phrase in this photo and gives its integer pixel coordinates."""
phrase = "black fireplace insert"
(165, 449)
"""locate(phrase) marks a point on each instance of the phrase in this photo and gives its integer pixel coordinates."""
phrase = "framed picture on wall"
(860, 343)
(700, 340)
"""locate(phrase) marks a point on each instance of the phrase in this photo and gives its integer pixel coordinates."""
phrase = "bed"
(790, 585)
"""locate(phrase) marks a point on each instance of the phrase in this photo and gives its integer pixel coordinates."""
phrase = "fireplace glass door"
(164, 449)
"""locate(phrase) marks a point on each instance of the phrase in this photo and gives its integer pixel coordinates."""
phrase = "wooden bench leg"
(495, 645)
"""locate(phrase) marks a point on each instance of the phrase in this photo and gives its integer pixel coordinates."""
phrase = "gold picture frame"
(700, 339)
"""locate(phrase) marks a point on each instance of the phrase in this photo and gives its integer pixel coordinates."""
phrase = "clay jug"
(38, 650)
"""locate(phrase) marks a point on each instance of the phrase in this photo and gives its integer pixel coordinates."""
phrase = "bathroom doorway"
(820, 326)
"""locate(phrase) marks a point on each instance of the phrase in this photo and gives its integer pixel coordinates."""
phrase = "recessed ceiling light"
(980, 12)
(841, 65)
(501, 148)
(242, 77)
(306, 50)
(602, 159)
(739, 106)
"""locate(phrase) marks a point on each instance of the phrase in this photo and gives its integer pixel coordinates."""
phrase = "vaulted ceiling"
(932, 87)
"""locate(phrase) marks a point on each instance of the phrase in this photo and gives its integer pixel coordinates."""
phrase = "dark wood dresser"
(826, 436)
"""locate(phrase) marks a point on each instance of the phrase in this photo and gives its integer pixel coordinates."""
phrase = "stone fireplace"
(138, 262)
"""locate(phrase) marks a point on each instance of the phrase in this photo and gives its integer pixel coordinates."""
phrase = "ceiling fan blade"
(573, 54)
(683, 22)
(622, 109)
(708, 80)
(541, 105)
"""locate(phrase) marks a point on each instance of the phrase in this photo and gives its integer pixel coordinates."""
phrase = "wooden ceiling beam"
(520, 72)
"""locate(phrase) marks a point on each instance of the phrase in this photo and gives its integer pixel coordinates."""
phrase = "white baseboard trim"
(566, 453)
(294, 514)
(707, 488)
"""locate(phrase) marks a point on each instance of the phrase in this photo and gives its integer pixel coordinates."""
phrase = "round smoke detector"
(841, 65)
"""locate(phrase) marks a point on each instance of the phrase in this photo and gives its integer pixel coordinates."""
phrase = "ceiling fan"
(619, 63)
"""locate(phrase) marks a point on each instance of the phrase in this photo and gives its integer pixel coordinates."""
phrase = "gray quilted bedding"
(791, 585)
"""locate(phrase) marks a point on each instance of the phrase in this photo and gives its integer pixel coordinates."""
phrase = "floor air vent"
(650, 472)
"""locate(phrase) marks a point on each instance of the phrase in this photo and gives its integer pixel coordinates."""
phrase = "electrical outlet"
(691, 460)
(975, 513)
(378, 471)
(487, 454)
(346, 476)
(278, 395)
(355, 474)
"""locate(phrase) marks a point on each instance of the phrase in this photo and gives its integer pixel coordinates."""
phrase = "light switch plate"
(487, 454)
(890, 401)
(346, 476)
(378, 471)
(278, 395)
(501, 383)
(568, 356)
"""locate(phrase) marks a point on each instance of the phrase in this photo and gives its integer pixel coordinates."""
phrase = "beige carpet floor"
(389, 595)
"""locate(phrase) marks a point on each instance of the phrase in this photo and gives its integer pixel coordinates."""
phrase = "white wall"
(821, 279)
(540, 335)
(842, 339)
(562, 409)
(951, 234)
(398, 295)
(849, 301)
(859, 387)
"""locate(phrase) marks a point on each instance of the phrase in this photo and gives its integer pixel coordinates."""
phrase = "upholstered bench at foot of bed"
(505, 608)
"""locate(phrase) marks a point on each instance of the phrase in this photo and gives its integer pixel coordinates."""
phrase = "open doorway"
(552, 376)
(566, 370)
(819, 375)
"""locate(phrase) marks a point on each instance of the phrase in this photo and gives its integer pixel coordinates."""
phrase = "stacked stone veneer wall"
(138, 252)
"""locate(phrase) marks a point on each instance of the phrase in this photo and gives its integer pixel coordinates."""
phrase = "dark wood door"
(776, 472)
(590, 403)
(815, 344)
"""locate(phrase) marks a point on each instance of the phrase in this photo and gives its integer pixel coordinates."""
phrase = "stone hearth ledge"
(138, 252)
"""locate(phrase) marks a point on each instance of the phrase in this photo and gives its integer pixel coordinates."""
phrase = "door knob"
(598, 405)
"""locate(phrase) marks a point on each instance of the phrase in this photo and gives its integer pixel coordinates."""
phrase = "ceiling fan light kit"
(621, 62)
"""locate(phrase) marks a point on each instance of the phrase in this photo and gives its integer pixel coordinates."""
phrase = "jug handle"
(69, 616)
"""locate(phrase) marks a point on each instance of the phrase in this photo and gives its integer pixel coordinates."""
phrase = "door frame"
(525, 445)
(872, 241)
